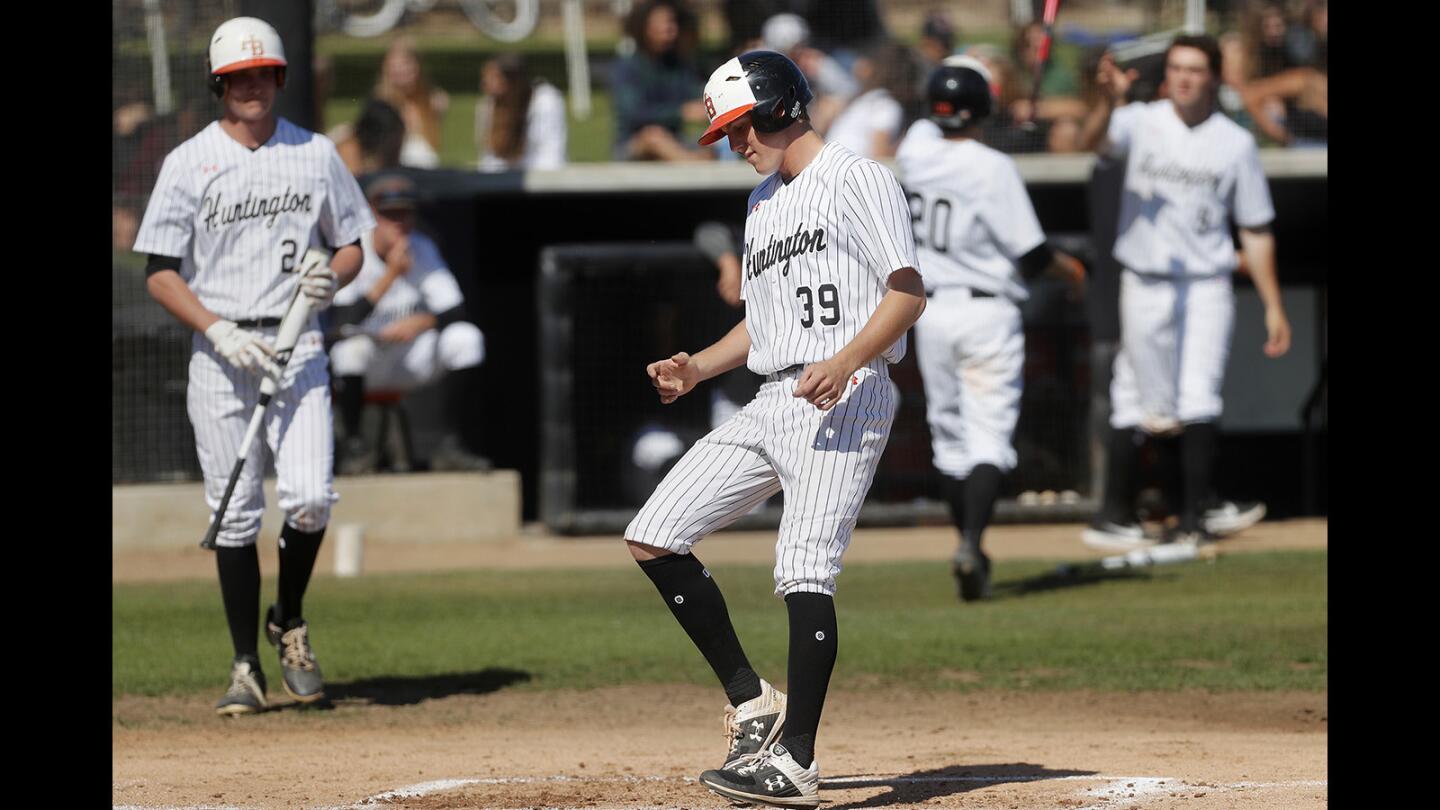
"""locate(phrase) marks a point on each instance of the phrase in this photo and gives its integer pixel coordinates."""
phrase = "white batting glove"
(244, 349)
(317, 280)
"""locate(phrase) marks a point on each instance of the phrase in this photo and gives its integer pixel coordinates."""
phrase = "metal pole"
(1194, 16)
(295, 22)
(577, 62)
(159, 58)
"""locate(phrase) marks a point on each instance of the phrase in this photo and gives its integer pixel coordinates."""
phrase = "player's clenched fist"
(244, 349)
(822, 384)
(317, 280)
(673, 377)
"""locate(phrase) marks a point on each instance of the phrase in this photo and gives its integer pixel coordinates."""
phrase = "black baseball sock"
(1167, 458)
(239, 570)
(695, 599)
(981, 490)
(1197, 455)
(1121, 472)
(953, 490)
(813, 644)
(461, 403)
(350, 397)
(297, 560)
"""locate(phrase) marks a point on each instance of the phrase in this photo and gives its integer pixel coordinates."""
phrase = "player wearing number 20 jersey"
(830, 284)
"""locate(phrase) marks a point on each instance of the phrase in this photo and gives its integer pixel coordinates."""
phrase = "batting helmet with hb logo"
(959, 93)
(765, 84)
(242, 43)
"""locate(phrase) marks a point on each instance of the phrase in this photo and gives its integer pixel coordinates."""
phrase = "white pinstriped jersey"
(428, 286)
(240, 220)
(818, 253)
(971, 214)
(1182, 186)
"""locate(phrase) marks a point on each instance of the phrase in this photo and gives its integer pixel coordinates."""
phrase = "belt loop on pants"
(775, 375)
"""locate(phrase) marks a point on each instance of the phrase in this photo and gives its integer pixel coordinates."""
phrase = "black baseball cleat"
(773, 777)
(246, 694)
(1109, 535)
(752, 726)
(300, 675)
(972, 574)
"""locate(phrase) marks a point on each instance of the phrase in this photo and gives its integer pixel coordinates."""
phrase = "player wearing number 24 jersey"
(830, 284)
(233, 212)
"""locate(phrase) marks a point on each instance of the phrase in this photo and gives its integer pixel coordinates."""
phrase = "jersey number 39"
(829, 302)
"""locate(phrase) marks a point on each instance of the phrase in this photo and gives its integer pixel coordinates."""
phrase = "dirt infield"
(619, 748)
(642, 747)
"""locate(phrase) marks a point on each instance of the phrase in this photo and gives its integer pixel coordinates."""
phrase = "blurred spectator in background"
(937, 41)
(831, 83)
(519, 122)
(139, 142)
(1276, 73)
(870, 125)
(374, 142)
(1003, 130)
(401, 325)
(1059, 108)
(402, 85)
(744, 18)
(656, 90)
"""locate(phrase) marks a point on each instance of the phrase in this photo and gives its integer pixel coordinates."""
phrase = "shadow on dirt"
(921, 786)
(407, 691)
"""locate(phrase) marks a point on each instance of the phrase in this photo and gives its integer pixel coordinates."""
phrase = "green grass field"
(1253, 621)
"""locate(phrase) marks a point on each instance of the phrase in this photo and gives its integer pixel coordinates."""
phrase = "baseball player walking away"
(978, 238)
(830, 285)
(403, 325)
(1189, 171)
(234, 210)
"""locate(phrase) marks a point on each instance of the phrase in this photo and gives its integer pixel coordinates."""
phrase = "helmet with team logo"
(765, 84)
(241, 43)
(959, 92)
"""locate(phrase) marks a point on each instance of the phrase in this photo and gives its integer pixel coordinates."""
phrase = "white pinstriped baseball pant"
(297, 432)
(824, 461)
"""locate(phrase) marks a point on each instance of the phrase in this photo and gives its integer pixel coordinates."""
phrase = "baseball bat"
(1052, 8)
(290, 328)
(1164, 554)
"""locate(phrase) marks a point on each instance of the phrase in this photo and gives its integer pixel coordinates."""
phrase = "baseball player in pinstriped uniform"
(830, 285)
(1189, 170)
(233, 212)
(974, 228)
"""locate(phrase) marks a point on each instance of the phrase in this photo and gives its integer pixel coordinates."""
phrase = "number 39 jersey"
(240, 220)
(819, 251)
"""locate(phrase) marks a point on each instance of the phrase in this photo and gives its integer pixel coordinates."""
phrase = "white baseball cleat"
(1116, 536)
(1231, 517)
(773, 777)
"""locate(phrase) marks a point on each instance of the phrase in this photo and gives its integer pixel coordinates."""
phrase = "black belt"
(974, 293)
(258, 323)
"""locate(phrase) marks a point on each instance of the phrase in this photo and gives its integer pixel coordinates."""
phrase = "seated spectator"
(520, 122)
(401, 324)
(832, 85)
(1004, 130)
(656, 90)
(374, 142)
(403, 86)
(1281, 74)
(870, 124)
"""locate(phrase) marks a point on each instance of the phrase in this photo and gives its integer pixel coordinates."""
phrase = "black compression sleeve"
(158, 263)
(449, 316)
(1034, 263)
(350, 314)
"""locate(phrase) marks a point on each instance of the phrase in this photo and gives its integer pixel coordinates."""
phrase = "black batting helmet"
(959, 93)
(765, 84)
